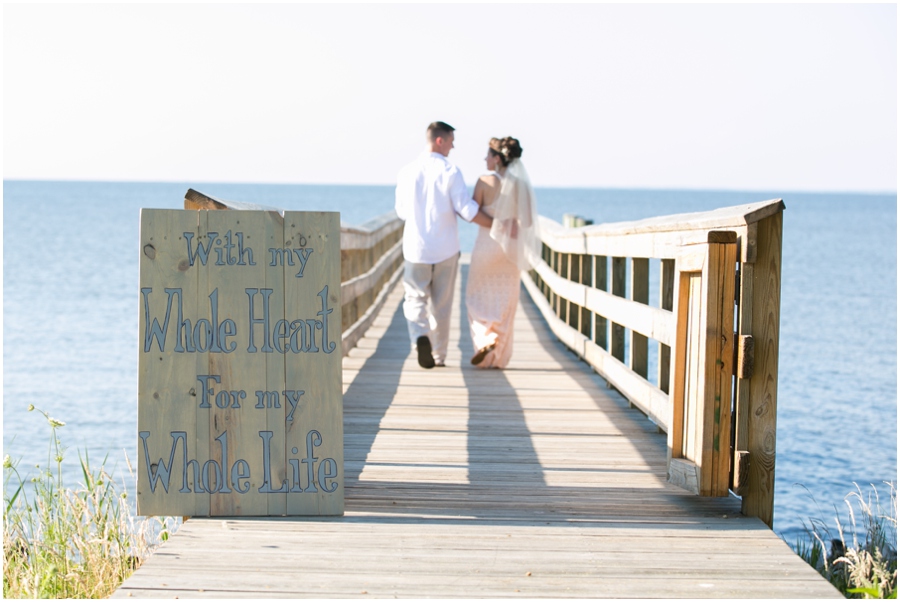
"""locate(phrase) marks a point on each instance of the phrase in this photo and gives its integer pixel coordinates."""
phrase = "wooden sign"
(239, 371)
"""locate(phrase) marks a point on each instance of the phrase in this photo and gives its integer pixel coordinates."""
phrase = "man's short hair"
(438, 129)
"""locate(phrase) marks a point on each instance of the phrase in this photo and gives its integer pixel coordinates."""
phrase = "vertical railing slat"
(601, 336)
(587, 269)
(564, 303)
(718, 367)
(666, 299)
(617, 338)
(640, 293)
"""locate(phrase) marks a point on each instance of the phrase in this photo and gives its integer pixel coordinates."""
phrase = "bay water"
(70, 319)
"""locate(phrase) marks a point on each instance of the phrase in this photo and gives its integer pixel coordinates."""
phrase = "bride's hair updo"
(506, 148)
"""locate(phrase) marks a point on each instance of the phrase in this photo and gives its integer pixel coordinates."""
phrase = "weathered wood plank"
(763, 390)
(165, 378)
(314, 429)
(719, 373)
(233, 421)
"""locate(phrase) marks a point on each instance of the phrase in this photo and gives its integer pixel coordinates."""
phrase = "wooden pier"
(534, 481)
(573, 472)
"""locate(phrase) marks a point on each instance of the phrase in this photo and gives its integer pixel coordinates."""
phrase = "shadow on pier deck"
(535, 481)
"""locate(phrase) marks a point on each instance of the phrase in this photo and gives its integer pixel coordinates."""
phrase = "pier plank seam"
(534, 481)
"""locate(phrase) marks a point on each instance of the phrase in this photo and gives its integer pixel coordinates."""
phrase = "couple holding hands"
(430, 194)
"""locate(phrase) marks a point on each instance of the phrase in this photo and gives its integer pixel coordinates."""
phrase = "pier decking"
(535, 481)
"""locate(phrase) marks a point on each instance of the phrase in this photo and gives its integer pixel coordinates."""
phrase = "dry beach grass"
(78, 542)
(859, 556)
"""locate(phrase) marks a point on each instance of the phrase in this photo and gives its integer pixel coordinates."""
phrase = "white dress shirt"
(430, 194)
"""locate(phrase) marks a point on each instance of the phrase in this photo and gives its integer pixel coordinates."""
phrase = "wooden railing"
(716, 327)
(371, 263)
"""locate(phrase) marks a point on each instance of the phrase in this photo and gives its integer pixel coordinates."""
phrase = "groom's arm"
(464, 205)
(483, 219)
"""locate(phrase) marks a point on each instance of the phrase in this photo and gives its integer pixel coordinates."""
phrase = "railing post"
(761, 402)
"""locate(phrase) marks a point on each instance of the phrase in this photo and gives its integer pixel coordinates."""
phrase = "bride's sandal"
(482, 353)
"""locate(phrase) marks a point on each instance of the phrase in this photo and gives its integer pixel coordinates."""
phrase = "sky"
(706, 96)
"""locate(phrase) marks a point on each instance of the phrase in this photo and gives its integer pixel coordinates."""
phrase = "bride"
(510, 245)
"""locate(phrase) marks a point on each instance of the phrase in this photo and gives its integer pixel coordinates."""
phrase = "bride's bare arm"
(478, 193)
(486, 188)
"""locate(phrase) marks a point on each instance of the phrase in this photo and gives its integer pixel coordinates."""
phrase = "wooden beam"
(718, 367)
(194, 200)
(763, 391)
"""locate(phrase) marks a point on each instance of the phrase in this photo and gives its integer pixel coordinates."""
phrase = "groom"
(430, 194)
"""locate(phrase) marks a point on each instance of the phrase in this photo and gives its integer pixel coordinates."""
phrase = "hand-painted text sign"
(239, 371)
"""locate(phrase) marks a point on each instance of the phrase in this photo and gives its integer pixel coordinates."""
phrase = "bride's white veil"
(515, 226)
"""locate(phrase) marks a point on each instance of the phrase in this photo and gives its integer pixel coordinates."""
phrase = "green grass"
(859, 566)
(61, 542)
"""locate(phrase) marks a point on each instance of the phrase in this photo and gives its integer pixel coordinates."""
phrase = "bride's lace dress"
(511, 244)
(492, 295)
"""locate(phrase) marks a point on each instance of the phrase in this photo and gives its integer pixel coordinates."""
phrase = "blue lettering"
(236, 476)
(200, 252)
(327, 346)
(207, 390)
(303, 257)
(264, 321)
(153, 329)
(292, 397)
(332, 473)
(266, 436)
(313, 439)
(159, 471)
(223, 445)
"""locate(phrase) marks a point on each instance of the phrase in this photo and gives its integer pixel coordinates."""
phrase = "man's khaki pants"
(424, 282)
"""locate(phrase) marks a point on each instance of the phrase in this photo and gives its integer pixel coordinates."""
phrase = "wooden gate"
(700, 432)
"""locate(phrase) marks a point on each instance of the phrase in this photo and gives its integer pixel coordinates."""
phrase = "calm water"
(71, 307)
